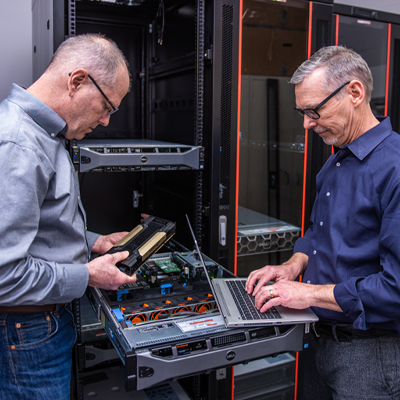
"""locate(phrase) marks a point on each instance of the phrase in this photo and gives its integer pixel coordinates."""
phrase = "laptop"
(237, 307)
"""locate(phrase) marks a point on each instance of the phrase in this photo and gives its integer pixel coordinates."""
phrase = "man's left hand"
(105, 242)
(296, 295)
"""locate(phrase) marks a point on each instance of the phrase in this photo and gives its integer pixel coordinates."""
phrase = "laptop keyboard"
(245, 302)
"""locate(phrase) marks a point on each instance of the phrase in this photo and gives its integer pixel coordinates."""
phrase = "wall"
(15, 45)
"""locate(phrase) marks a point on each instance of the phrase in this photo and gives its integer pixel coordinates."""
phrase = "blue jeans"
(357, 369)
(35, 355)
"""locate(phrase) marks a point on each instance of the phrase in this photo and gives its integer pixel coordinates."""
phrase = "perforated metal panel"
(266, 243)
(226, 106)
(323, 27)
(226, 26)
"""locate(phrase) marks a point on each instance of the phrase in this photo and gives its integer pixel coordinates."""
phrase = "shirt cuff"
(76, 281)
(91, 238)
(347, 297)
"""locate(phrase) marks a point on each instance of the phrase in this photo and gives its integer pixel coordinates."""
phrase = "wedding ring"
(270, 292)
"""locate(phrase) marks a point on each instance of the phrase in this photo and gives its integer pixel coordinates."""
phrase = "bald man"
(45, 247)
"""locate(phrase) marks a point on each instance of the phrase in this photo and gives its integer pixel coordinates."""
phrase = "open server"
(167, 325)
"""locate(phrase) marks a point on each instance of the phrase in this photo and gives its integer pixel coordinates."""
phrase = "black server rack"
(279, 160)
(184, 63)
(183, 104)
(376, 36)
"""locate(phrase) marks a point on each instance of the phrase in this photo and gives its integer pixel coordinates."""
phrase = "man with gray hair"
(350, 254)
(45, 248)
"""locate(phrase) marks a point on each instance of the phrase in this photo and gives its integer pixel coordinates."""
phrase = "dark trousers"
(354, 369)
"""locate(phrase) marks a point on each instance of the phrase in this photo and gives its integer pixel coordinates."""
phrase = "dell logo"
(231, 355)
(144, 159)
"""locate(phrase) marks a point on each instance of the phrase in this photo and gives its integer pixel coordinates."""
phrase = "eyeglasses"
(312, 112)
(114, 109)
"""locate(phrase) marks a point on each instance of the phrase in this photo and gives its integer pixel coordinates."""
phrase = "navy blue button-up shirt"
(353, 240)
(44, 244)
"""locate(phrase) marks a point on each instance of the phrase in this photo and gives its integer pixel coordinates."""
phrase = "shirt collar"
(43, 115)
(367, 142)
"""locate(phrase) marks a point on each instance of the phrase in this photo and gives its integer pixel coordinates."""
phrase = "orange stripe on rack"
(388, 69)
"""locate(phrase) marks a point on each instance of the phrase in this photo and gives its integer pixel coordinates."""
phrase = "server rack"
(184, 64)
(279, 160)
(356, 26)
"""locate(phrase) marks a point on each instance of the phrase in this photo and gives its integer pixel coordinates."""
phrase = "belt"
(27, 309)
(346, 332)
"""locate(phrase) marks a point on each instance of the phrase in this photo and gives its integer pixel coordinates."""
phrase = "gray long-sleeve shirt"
(44, 244)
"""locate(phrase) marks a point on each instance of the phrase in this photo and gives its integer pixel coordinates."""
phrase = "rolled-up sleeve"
(91, 238)
(302, 244)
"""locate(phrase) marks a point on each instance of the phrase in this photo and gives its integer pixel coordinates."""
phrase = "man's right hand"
(105, 275)
(289, 270)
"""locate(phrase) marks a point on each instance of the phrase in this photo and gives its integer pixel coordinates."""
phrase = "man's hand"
(288, 271)
(285, 292)
(105, 275)
(144, 216)
(296, 295)
(104, 243)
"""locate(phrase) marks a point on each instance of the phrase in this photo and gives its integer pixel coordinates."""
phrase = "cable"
(160, 13)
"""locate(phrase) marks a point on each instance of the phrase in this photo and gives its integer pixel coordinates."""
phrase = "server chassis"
(167, 326)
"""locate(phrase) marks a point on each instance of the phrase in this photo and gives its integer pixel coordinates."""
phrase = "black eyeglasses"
(114, 109)
(312, 112)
